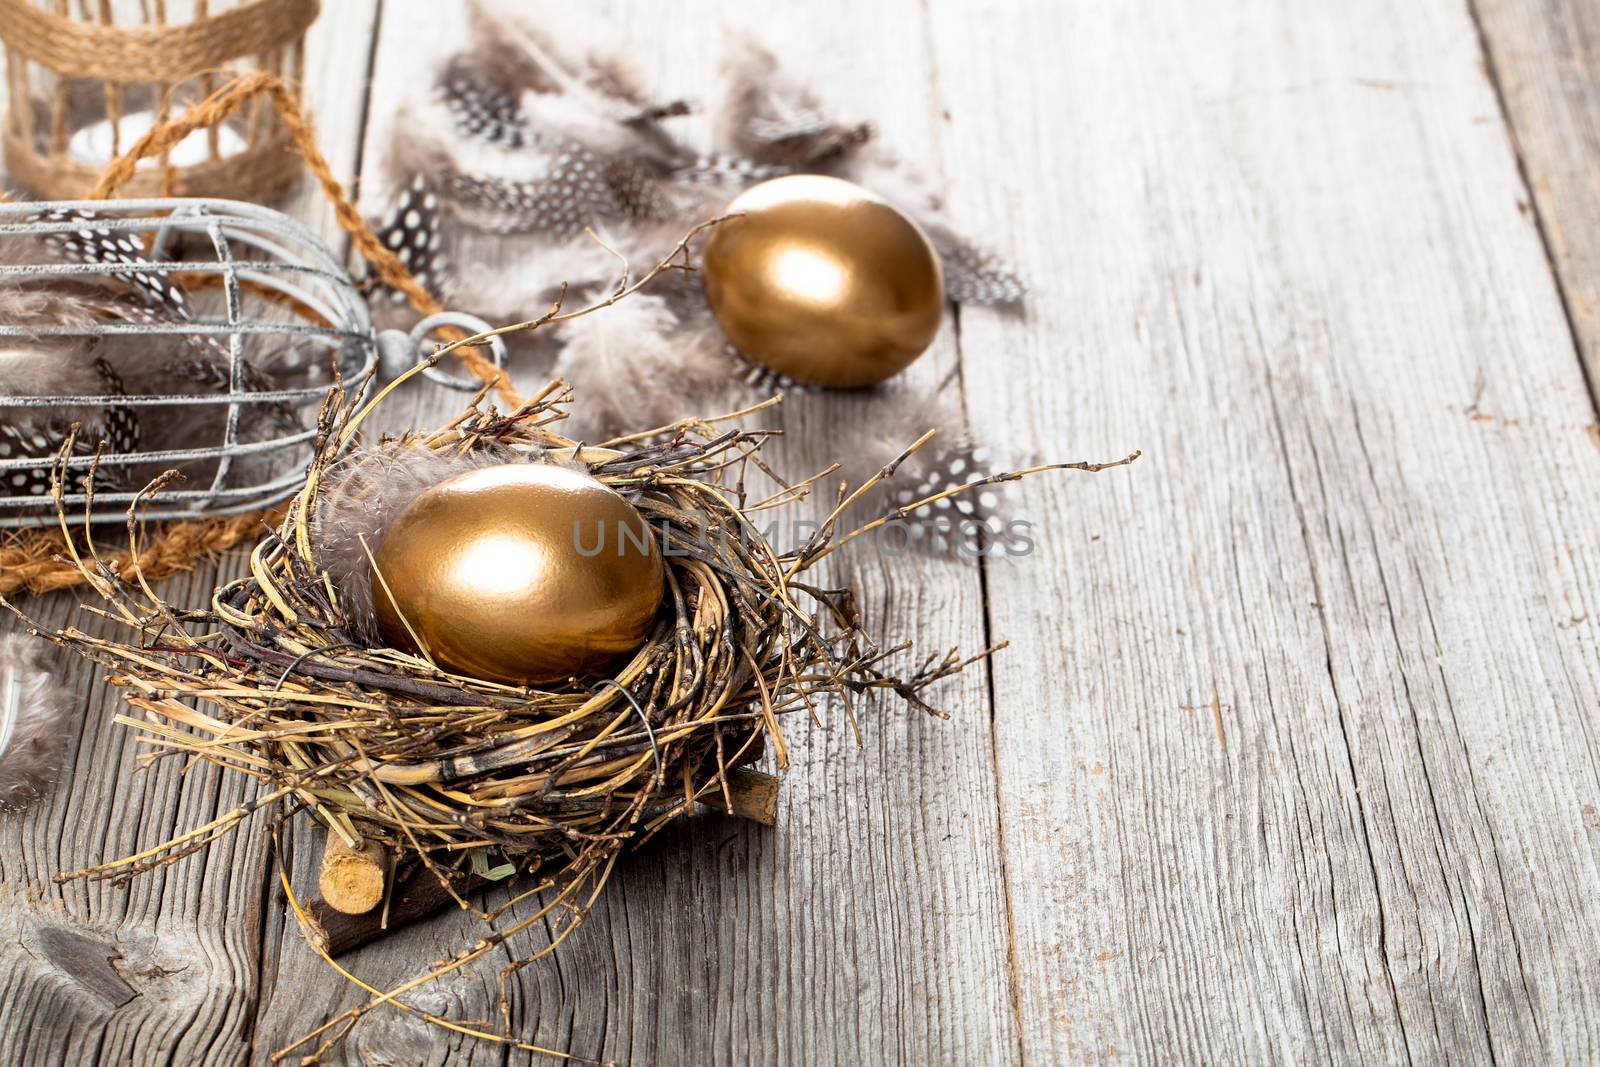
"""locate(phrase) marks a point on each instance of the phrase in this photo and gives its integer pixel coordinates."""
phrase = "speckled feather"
(572, 142)
(411, 229)
(527, 144)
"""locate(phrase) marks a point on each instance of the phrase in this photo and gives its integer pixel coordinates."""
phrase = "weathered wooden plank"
(1296, 745)
(1544, 58)
(166, 970)
(869, 926)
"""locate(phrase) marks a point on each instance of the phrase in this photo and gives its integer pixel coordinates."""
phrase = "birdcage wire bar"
(250, 246)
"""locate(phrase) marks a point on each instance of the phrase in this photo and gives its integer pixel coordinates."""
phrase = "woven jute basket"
(81, 67)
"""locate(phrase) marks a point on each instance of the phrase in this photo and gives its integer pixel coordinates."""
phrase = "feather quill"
(34, 718)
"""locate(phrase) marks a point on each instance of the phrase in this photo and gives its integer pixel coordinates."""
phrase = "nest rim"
(388, 746)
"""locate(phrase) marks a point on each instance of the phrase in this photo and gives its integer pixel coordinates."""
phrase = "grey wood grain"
(869, 926)
(1544, 57)
(1297, 753)
(1293, 753)
(166, 970)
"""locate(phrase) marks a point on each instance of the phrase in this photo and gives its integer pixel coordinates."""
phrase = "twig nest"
(518, 573)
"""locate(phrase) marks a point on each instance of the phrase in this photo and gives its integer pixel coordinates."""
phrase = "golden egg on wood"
(521, 573)
(822, 281)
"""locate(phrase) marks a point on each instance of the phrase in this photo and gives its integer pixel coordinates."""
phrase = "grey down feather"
(35, 715)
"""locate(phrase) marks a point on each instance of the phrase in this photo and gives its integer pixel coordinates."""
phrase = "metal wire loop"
(470, 323)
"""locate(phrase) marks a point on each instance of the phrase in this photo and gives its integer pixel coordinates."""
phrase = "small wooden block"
(351, 880)
(754, 795)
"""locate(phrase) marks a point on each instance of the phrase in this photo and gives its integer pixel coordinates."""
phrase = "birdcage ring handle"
(400, 352)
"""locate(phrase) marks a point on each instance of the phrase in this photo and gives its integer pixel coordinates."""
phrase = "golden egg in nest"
(522, 573)
(824, 282)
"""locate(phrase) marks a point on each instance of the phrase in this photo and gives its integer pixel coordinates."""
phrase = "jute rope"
(33, 561)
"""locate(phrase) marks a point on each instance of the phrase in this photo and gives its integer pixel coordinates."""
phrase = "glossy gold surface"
(824, 282)
(520, 573)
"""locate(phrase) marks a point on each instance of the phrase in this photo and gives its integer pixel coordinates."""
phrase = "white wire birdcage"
(252, 276)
